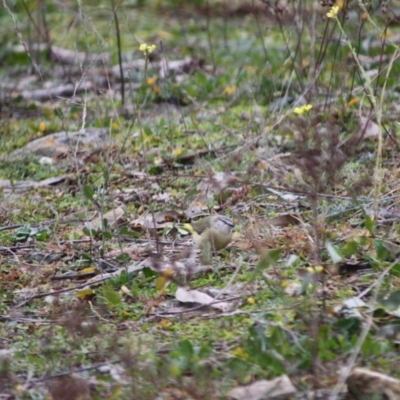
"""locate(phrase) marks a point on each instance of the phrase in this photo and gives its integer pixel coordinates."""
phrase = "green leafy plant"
(26, 232)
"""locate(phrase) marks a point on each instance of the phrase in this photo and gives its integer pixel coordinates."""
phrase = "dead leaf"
(279, 388)
(368, 128)
(288, 197)
(113, 217)
(194, 296)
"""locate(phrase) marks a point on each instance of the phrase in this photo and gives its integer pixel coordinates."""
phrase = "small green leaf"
(149, 273)
(369, 223)
(87, 257)
(24, 230)
(43, 234)
(350, 248)
(128, 232)
(382, 252)
(87, 231)
(23, 233)
(106, 175)
(58, 112)
(107, 235)
(111, 296)
(395, 270)
(88, 192)
(156, 170)
(186, 348)
(124, 257)
(124, 230)
(148, 131)
(390, 301)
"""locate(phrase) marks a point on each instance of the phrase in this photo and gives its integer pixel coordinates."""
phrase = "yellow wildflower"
(333, 12)
(315, 269)
(251, 300)
(151, 81)
(303, 109)
(42, 126)
(240, 353)
(229, 90)
(165, 323)
(146, 49)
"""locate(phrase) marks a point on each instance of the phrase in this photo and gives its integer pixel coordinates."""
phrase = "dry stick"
(378, 172)
(233, 277)
(28, 320)
(164, 86)
(209, 37)
(297, 50)
(38, 30)
(49, 222)
(74, 276)
(70, 372)
(42, 7)
(225, 27)
(382, 53)
(333, 70)
(96, 313)
(260, 31)
(121, 70)
(40, 295)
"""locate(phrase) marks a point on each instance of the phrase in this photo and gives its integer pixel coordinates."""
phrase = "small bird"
(211, 233)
